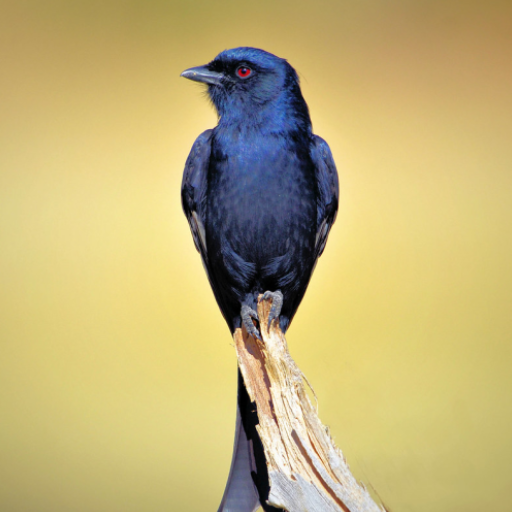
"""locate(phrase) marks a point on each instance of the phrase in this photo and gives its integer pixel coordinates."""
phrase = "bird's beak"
(203, 74)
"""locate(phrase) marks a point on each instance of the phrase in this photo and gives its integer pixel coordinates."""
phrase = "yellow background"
(117, 374)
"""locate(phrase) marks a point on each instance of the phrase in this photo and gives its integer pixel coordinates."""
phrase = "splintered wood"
(307, 472)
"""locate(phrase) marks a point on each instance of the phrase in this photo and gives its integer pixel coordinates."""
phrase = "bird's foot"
(277, 304)
(247, 314)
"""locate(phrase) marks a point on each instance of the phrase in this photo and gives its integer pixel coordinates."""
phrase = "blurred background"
(117, 372)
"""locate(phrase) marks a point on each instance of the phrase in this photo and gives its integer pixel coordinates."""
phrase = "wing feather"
(327, 182)
(193, 190)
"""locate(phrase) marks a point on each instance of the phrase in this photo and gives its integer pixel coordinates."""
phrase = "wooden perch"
(307, 472)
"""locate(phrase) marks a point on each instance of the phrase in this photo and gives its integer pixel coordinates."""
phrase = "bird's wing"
(327, 182)
(193, 190)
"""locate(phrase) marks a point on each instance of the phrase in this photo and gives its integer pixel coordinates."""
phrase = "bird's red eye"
(243, 71)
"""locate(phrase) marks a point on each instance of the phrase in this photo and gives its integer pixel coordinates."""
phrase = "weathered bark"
(307, 472)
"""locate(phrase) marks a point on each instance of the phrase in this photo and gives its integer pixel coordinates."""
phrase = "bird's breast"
(262, 198)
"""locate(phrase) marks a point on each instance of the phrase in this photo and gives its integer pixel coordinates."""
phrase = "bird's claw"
(247, 314)
(277, 304)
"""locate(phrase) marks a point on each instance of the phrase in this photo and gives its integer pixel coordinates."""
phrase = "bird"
(260, 193)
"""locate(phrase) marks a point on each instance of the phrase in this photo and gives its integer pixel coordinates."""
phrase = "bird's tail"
(247, 487)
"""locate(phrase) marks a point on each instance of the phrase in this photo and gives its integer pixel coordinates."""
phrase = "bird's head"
(248, 84)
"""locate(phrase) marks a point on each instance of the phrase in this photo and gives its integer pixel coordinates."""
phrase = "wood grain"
(307, 472)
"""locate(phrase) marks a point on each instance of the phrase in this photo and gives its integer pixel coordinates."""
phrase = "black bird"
(260, 192)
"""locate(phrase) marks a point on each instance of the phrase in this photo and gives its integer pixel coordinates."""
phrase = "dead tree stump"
(307, 472)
